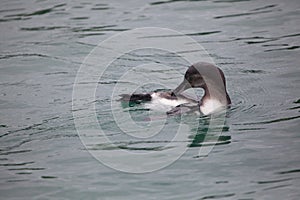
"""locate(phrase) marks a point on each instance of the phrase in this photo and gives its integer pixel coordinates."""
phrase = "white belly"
(211, 106)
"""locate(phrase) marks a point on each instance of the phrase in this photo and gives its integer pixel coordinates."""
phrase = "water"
(43, 44)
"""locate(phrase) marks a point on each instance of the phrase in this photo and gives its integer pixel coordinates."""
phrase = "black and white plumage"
(200, 75)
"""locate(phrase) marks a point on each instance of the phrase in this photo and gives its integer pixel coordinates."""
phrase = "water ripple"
(27, 169)
(170, 1)
(218, 196)
(16, 164)
(292, 171)
(242, 14)
(264, 7)
(183, 35)
(277, 187)
(229, 1)
(43, 28)
(38, 12)
(15, 152)
(274, 181)
(283, 49)
(23, 55)
(273, 120)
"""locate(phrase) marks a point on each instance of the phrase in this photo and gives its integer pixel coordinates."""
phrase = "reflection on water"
(255, 42)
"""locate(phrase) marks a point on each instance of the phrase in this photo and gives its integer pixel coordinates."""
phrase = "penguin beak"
(182, 87)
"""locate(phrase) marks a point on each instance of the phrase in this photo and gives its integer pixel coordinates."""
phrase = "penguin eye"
(192, 77)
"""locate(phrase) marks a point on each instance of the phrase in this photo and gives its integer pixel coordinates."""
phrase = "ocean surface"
(50, 148)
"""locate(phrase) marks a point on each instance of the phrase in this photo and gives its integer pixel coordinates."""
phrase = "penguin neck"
(213, 100)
